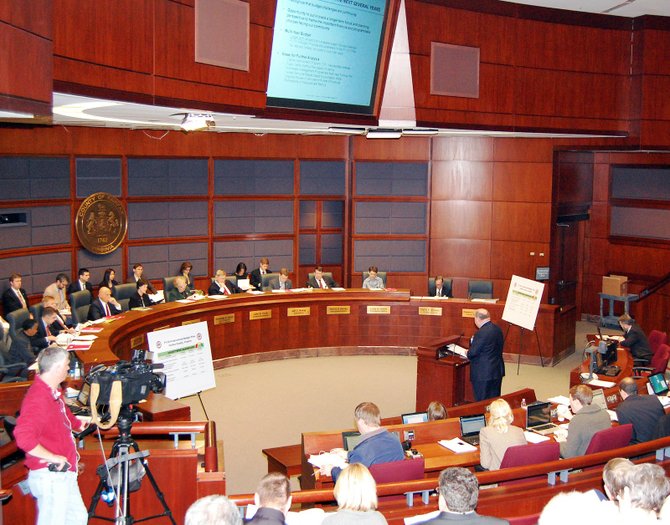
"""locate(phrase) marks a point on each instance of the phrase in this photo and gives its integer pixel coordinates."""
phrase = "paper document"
(80, 346)
(218, 296)
(91, 330)
(157, 297)
(456, 349)
(457, 445)
(560, 400)
(327, 458)
(86, 337)
(601, 383)
(533, 437)
(338, 289)
(483, 300)
(613, 415)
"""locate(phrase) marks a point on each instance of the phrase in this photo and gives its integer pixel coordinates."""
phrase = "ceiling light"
(196, 121)
(420, 132)
(381, 133)
(344, 130)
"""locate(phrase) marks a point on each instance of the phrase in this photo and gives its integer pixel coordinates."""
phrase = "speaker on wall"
(454, 70)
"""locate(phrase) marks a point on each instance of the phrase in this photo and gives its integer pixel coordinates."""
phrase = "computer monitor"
(658, 384)
(350, 439)
(414, 417)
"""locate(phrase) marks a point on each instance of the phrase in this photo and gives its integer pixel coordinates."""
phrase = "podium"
(446, 380)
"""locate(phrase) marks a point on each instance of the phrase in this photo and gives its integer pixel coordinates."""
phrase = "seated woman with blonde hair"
(356, 495)
(498, 435)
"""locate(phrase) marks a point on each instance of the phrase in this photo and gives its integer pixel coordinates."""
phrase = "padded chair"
(325, 274)
(662, 427)
(15, 320)
(531, 454)
(382, 275)
(36, 310)
(480, 290)
(431, 286)
(168, 286)
(267, 278)
(10, 373)
(659, 362)
(79, 304)
(402, 470)
(656, 339)
(123, 292)
(610, 438)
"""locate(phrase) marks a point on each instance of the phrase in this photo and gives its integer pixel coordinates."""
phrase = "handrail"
(654, 287)
(661, 447)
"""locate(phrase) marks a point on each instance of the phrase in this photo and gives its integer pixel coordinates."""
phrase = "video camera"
(136, 379)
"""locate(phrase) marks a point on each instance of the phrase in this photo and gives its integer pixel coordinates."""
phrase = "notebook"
(538, 418)
(414, 417)
(470, 427)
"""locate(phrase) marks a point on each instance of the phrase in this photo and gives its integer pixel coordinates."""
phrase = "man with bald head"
(487, 367)
(642, 411)
(104, 306)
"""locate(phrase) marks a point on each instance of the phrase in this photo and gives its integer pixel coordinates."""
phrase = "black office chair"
(15, 320)
(480, 290)
(80, 302)
(447, 285)
(36, 310)
(381, 275)
(168, 286)
(11, 373)
(123, 292)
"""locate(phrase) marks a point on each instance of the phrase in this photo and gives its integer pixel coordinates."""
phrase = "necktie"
(439, 292)
(46, 327)
(107, 312)
(21, 298)
(225, 290)
(322, 284)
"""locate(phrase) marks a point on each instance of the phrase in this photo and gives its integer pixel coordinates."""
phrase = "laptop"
(350, 439)
(470, 427)
(599, 399)
(538, 418)
(80, 405)
(414, 417)
(658, 384)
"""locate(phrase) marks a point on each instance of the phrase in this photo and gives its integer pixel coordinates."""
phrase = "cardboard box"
(615, 285)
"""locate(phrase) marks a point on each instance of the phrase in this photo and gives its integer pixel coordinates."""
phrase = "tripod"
(121, 459)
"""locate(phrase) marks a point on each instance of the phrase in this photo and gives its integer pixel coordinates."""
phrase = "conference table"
(247, 328)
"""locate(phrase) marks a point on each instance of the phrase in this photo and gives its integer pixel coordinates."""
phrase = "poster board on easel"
(186, 354)
(523, 302)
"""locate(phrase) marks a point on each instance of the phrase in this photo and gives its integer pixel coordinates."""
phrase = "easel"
(518, 357)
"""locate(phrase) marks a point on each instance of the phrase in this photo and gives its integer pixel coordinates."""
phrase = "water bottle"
(523, 403)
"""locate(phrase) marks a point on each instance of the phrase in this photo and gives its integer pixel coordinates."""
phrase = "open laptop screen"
(538, 413)
(658, 384)
(85, 391)
(350, 439)
(471, 425)
(414, 417)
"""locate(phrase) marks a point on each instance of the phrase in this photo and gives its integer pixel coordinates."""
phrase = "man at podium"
(487, 367)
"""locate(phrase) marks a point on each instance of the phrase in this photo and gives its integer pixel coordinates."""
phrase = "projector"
(197, 121)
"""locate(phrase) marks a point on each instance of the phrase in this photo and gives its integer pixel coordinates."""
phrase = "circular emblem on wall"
(101, 223)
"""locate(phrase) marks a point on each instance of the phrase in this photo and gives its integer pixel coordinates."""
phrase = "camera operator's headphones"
(115, 401)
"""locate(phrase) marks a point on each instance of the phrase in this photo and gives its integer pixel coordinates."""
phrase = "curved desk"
(247, 328)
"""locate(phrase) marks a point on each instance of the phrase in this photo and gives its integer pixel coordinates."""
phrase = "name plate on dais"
(298, 312)
(190, 321)
(384, 310)
(224, 319)
(468, 312)
(260, 314)
(136, 342)
(430, 310)
(338, 310)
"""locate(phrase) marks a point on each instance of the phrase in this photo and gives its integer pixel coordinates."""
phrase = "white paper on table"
(560, 400)
(218, 296)
(85, 337)
(533, 437)
(457, 445)
(601, 383)
(338, 289)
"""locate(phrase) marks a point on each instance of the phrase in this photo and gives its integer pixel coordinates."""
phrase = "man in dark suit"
(222, 287)
(319, 280)
(138, 270)
(256, 276)
(22, 349)
(81, 283)
(487, 367)
(282, 282)
(273, 499)
(440, 288)
(459, 492)
(44, 336)
(643, 412)
(635, 340)
(104, 306)
(14, 297)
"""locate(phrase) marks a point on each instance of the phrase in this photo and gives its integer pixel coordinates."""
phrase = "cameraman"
(44, 432)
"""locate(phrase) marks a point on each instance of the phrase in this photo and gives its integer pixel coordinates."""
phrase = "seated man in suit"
(643, 412)
(440, 288)
(377, 445)
(58, 290)
(14, 297)
(273, 499)
(138, 270)
(587, 420)
(256, 276)
(222, 287)
(22, 349)
(373, 281)
(61, 324)
(635, 340)
(282, 282)
(81, 283)
(180, 291)
(459, 492)
(140, 299)
(44, 336)
(104, 306)
(321, 281)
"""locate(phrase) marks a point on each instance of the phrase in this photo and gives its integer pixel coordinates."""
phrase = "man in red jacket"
(44, 432)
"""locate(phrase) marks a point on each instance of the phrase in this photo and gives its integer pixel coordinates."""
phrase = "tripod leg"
(166, 510)
(95, 499)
